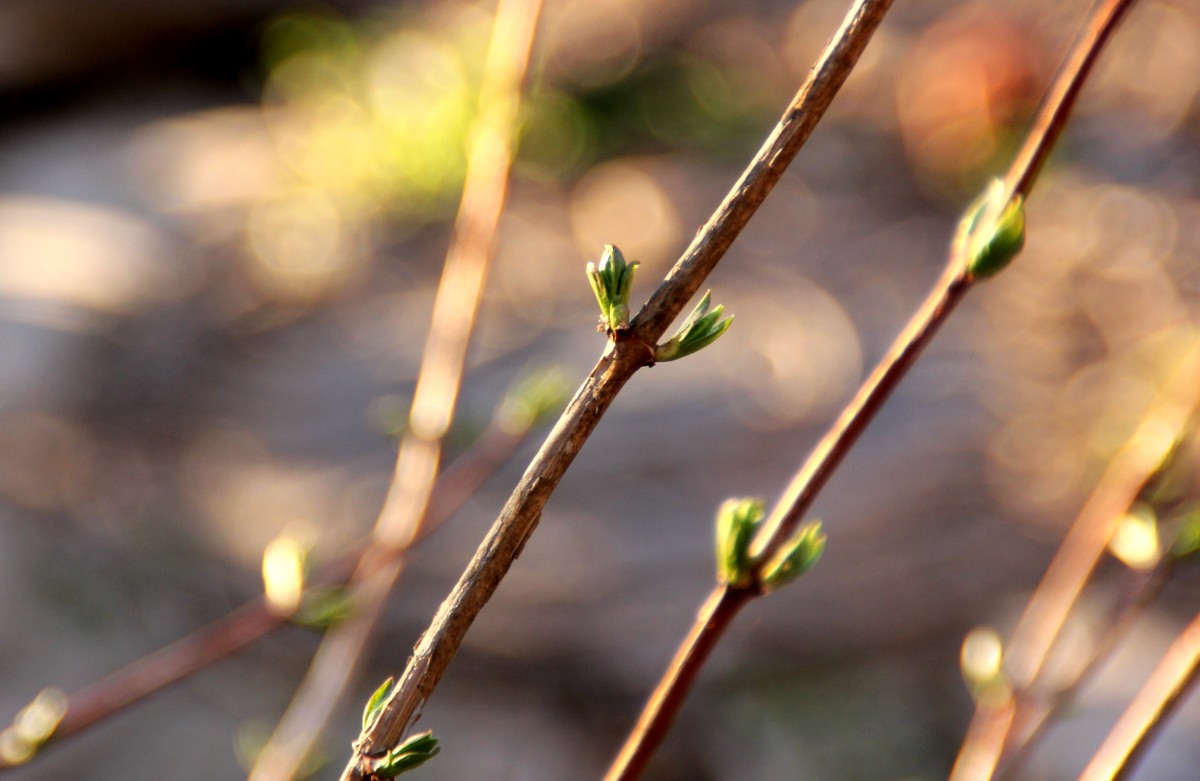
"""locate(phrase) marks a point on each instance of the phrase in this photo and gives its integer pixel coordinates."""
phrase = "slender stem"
(672, 688)
(807, 483)
(165, 666)
(1084, 544)
(254, 619)
(521, 513)
(454, 311)
(717, 612)
(799, 495)
(1033, 715)
(756, 182)
(1149, 710)
(1052, 114)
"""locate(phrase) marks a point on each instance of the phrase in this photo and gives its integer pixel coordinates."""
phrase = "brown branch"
(1149, 710)
(715, 615)
(254, 619)
(455, 307)
(1034, 714)
(1051, 116)
(669, 694)
(1081, 550)
(799, 495)
(520, 515)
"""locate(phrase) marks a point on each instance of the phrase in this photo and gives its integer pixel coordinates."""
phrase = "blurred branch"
(1033, 713)
(255, 619)
(1138, 462)
(630, 352)
(455, 307)
(994, 215)
(1148, 711)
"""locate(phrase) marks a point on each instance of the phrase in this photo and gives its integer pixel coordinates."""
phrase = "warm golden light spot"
(33, 726)
(981, 661)
(37, 721)
(14, 749)
(1135, 540)
(81, 255)
(982, 655)
(594, 42)
(791, 359)
(283, 574)
(300, 247)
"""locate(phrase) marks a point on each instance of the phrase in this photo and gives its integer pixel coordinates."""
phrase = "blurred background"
(221, 224)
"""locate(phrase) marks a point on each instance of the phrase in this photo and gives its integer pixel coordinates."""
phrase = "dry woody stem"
(993, 731)
(255, 619)
(668, 696)
(455, 307)
(1148, 711)
(986, 740)
(519, 517)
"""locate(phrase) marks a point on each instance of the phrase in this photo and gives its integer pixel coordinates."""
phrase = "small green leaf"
(699, 330)
(737, 521)
(322, 608)
(992, 231)
(376, 703)
(796, 557)
(1187, 539)
(612, 281)
(414, 752)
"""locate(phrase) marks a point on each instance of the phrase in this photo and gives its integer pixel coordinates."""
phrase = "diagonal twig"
(628, 353)
(1149, 710)
(726, 600)
(459, 293)
(255, 619)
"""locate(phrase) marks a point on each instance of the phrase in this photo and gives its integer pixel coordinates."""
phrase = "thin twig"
(1080, 552)
(254, 619)
(455, 307)
(669, 694)
(663, 706)
(521, 513)
(1148, 711)
(721, 607)
(1034, 714)
(996, 744)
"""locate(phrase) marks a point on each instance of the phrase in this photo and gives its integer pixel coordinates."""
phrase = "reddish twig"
(797, 499)
(1033, 714)
(254, 619)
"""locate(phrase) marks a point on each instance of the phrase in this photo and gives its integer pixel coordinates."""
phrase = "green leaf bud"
(992, 231)
(376, 703)
(612, 281)
(699, 330)
(796, 557)
(737, 521)
(414, 752)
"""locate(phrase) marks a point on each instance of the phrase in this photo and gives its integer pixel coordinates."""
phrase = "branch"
(1149, 710)
(255, 619)
(984, 244)
(628, 353)
(1134, 466)
(457, 302)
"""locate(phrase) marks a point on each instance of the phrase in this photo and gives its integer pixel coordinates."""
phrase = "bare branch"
(631, 351)
(1148, 711)
(455, 307)
(958, 277)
